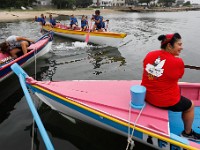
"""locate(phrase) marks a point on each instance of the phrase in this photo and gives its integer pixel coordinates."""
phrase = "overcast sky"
(193, 1)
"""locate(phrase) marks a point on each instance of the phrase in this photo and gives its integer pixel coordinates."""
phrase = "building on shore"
(180, 2)
(102, 3)
(131, 2)
(42, 3)
(118, 3)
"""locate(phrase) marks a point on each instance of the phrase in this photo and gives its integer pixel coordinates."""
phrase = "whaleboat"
(101, 38)
(35, 50)
(108, 105)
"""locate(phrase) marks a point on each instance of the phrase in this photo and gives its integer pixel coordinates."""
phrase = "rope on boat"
(130, 136)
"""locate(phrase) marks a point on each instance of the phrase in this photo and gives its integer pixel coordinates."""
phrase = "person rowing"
(73, 22)
(52, 20)
(41, 19)
(97, 21)
(84, 23)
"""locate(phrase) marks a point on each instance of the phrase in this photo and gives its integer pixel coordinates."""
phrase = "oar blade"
(87, 37)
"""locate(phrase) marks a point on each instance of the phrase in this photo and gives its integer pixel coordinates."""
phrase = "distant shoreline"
(158, 9)
(11, 16)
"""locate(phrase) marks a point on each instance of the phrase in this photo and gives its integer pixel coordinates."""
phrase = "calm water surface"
(68, 60)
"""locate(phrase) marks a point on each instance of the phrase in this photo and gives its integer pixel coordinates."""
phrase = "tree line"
(61, 4)
(58, 3)
(15, 3)
(71, 3)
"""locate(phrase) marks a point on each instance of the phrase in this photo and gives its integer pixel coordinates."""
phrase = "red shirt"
(161, 73)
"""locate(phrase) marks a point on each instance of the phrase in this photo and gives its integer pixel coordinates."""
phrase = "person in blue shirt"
(84, 23)
(73, 22)
(98, 21)
(41, 19)
(52, 21)
(105, 25)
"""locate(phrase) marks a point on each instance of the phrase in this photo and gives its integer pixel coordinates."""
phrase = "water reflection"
(97, 56)
(7, 106)
(102, 56)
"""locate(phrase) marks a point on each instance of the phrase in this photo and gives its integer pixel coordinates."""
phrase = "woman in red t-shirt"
(161, 71)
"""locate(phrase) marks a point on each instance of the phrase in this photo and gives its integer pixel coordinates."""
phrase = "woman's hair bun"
(161, 37)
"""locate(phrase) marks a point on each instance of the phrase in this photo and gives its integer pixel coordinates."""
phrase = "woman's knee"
(191, 107)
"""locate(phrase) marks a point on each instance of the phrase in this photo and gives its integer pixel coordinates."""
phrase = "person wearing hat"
(161, 71)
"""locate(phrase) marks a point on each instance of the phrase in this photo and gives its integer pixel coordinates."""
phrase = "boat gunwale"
(79, 32)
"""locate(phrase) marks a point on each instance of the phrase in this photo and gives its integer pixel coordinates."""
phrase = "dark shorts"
(98, 26)
(183, 105)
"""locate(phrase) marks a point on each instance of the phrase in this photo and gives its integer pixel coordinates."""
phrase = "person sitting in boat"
(15, 45)
(73, 22)
(84, 23)
(104, 26)
(41, 19)
(52, 20)
(161, 71)
(98, 21)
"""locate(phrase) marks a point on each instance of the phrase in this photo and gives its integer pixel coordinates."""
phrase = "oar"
(22, 75)
(88, 34)
(192, 67)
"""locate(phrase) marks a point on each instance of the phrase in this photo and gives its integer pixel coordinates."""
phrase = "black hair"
(97, 12)
(174, 39)
(4, 47)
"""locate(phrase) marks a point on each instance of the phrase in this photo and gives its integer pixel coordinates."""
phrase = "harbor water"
(70, 60)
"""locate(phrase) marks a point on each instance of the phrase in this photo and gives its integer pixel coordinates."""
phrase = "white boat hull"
(101, 38)
(108, 41)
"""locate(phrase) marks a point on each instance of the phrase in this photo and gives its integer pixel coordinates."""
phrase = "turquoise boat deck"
(176, 124)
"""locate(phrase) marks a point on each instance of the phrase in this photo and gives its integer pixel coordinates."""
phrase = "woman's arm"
(19, 38)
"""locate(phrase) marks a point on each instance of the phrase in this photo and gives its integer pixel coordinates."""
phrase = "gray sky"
(193, 1)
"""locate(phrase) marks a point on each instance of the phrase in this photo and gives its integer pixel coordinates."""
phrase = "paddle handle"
(192, 67)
